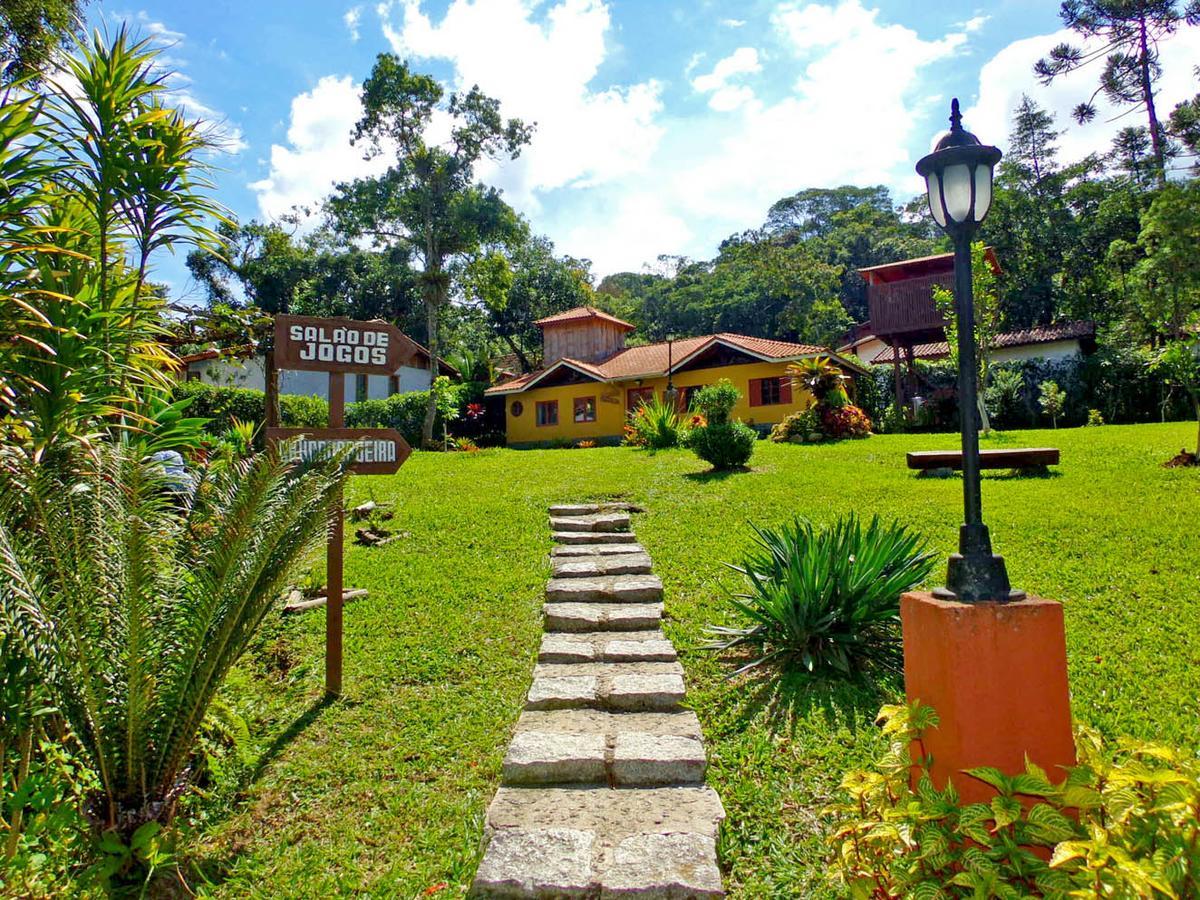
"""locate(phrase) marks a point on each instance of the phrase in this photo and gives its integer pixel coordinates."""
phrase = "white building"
(234, 367)
(1047, 342)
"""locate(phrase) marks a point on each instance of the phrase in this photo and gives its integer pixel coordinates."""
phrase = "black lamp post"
(671, 392)
(958, 178)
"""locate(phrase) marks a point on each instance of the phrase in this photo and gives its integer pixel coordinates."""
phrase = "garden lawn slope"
(384, 792)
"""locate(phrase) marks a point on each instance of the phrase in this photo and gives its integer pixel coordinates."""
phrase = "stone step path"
(603, 792)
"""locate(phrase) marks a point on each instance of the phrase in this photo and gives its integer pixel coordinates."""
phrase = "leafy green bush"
(1004, 397)
(1123, 823)
(715, 439)
(1052, 400)
(654, 425)
(223, 405)
(893, 420)
(826, 599)
(44, 785)
(716, 401)
(803, 425)
(725, 445)
(406, 412)
(1095, 418)
(131, 608)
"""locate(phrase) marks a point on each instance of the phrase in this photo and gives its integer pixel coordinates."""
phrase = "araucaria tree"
(428, 199)
(1127, 34)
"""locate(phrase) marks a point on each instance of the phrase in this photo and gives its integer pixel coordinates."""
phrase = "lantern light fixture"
(958, 179)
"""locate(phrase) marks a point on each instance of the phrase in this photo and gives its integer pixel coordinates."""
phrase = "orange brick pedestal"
(996, 673)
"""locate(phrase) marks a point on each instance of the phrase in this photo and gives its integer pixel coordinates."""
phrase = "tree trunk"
(520, 354)
(1196, 404)
(432, 309)
(1148, 98)
(271, 413)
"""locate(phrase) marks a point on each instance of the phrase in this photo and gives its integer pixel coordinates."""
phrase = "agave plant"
(132, 605)
(656, 424)
(826, 599)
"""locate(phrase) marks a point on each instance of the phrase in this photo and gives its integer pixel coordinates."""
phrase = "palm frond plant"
(826, 599)
(103, 175)
(132, 607)
(821, 378)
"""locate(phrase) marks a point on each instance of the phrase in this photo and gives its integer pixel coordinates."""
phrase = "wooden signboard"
(309, 344)
(341, 346)
(379, 451)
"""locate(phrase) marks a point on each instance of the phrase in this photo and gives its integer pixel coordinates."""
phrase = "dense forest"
(1113, 238)
(1098, 238)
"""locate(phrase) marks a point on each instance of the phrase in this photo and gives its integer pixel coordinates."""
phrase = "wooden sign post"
(338, 346)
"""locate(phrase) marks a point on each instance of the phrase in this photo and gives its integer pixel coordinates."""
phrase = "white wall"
(1053, 351)
(250, 373)
(868, 350)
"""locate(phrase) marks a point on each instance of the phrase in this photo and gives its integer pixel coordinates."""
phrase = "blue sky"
(662, 126)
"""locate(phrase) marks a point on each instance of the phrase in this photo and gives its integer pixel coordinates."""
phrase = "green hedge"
(220, 405)
(404, 412)
(1115, 380)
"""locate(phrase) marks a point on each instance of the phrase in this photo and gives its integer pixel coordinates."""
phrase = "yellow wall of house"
(611, 403)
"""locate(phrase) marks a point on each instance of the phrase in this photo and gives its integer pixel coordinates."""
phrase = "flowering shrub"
(586, 445)
(845, 421)
(802, 425)
(1125, 822)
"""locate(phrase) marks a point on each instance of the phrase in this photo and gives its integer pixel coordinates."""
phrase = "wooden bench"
(1025, 459)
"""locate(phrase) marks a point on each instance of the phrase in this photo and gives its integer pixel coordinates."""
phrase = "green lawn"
(384, 792)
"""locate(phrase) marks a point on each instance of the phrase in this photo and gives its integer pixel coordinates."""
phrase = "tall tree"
(30, 32)
(519, 285)
(1128, 33)
(1030, 223)
(809, 213)
(428, 200)
(1170, 238)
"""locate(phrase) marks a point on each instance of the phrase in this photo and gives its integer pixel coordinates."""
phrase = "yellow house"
(591, 381)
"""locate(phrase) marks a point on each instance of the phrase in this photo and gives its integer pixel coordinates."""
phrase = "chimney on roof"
(583, 333)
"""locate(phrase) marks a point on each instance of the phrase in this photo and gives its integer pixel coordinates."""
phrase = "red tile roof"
(582, 312)
(651, 359)
(1025, 337)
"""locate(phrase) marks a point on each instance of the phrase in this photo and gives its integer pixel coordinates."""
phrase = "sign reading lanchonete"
(378, 451)
(342, 345)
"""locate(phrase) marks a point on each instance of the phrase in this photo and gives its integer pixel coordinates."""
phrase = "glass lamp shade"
(933, 187)
(956, 193)
(958, 177)
(983, 192)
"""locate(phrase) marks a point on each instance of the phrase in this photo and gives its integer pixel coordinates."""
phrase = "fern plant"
(826, 599)
(132, 607)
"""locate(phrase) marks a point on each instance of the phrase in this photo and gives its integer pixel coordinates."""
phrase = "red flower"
(474, 410)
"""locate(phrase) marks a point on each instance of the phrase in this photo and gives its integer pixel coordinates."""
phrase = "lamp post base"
(996, 674)
(975, 574)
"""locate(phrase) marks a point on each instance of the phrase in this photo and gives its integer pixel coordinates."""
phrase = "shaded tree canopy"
(30, 32)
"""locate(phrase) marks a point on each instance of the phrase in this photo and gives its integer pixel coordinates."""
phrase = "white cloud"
(318, 153)
(351, 18)
(539, 62)
(225, 134)
(611, 175)
(725, 96)
(733, 23)
(974, 24)
(1009, 74)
